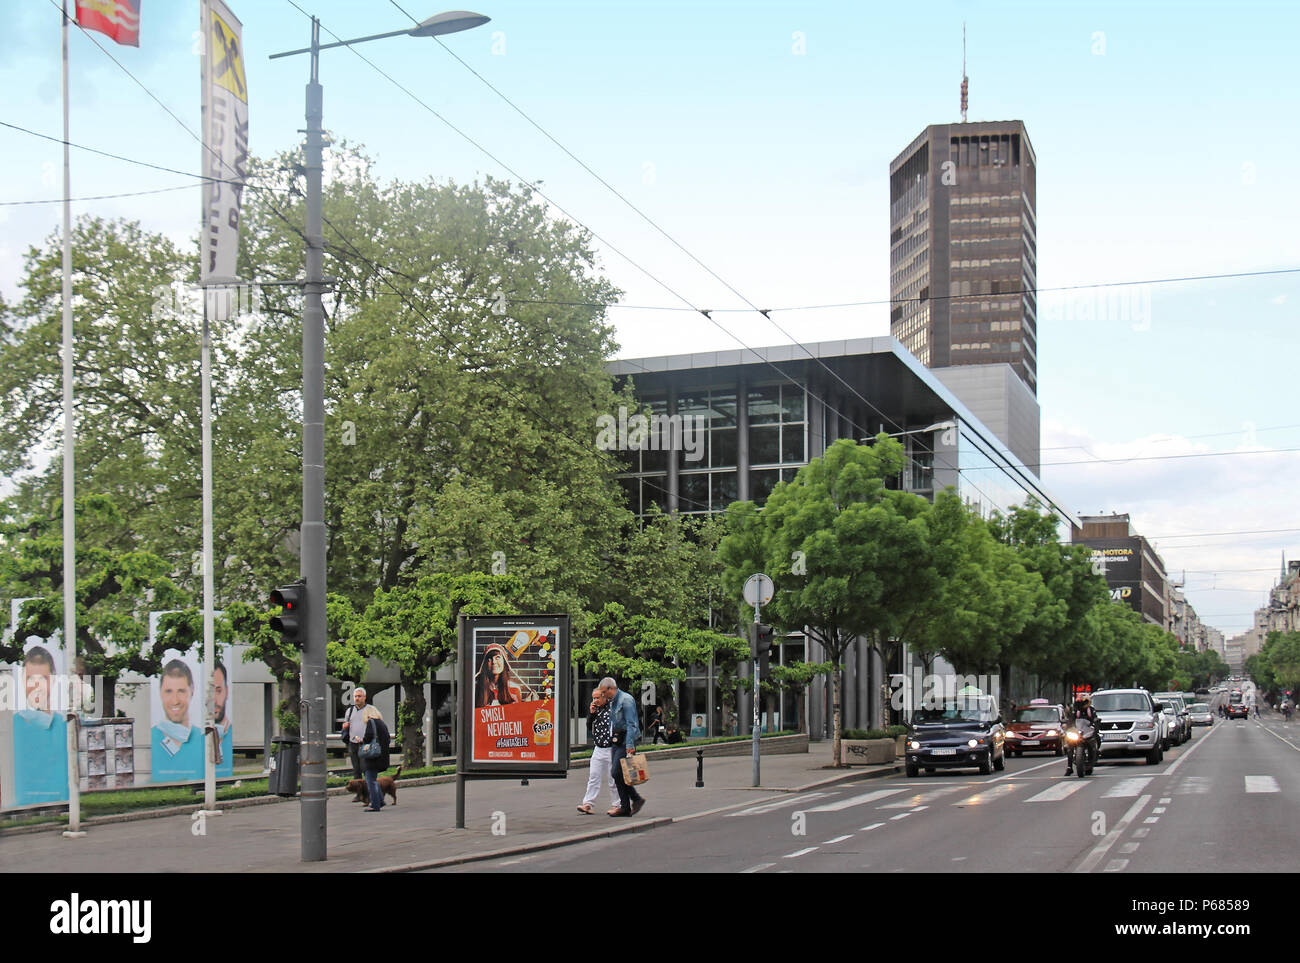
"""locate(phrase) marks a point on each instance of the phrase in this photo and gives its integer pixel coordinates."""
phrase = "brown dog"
(387, 787)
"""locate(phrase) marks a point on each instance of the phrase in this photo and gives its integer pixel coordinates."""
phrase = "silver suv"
(1130, 723)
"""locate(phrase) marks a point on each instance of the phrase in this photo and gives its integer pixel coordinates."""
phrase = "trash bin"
(283, 778)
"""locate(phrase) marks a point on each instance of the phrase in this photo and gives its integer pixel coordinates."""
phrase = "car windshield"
(1120, 702)
(1044, 714)
(1235, 698)
(1200, 707)
(960, 709)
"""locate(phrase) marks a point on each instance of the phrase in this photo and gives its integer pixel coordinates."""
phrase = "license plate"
(1029, 742)
(943, 752)
(1114, 736)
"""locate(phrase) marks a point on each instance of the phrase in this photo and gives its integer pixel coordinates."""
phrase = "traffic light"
(763, 636)
(289, 622)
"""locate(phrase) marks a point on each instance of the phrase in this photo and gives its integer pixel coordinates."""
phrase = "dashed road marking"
(802, 852)
(1100, 850)
(1141, 833)
(1129, 848)
(867, 829)
(837, 839)
(759, 868)
(1152, 819)
(1261, 784)
(773, 806)
(1115, 865)
(1157, 809)
(900, 816)
(1058, 792)
(924, 797)
(1127, 787)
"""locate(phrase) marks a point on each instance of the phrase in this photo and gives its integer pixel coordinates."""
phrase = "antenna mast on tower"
(965, 82)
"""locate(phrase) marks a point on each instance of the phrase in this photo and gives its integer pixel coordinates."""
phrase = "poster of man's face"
(220, 694)
(42, 665)
(176, 697)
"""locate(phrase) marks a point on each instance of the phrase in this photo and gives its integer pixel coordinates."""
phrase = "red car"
(1237, 708)
(1037, 727)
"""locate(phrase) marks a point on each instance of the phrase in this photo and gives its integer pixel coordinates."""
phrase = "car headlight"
(913, 744)
(974, 742)
(1010, 734)
(1145, 724)
(1051, 732)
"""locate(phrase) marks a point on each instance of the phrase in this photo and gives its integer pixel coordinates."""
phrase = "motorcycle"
(1079, 742)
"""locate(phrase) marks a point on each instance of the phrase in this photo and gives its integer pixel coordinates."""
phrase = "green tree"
(866, 551)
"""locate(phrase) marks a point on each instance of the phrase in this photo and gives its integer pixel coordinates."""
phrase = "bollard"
(523, 782)
(699, 768)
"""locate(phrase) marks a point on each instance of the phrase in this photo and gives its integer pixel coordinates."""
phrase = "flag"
(225, 138)
(118, 19)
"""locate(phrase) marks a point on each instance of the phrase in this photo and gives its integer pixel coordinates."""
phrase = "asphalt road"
(1226, 799)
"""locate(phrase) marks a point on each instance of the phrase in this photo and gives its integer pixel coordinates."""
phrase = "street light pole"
(312, 538)
(314, 700)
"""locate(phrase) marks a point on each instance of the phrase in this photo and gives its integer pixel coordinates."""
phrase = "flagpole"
(69, 439)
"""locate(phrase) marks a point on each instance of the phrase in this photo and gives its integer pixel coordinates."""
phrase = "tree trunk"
(412, 712)
(835, 716)
(109, 708)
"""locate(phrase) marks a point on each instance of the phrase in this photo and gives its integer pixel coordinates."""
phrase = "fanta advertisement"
(514, 688)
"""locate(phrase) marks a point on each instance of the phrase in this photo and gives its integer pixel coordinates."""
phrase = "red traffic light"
(289, 598)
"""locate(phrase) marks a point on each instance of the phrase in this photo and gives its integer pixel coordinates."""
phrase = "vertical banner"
(225, 139)
(514, 694)
(40, 727)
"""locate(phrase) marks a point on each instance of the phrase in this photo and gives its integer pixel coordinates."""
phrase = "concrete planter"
(867, 752)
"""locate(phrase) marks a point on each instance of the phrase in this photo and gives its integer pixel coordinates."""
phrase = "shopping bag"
(635, 770)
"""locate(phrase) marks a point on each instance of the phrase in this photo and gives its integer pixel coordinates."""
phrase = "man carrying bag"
(625, 731)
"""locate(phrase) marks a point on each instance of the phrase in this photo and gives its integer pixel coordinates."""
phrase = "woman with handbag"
(374, 756)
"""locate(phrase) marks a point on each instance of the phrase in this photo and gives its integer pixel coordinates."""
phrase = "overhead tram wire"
(101, 197)
(707, 313)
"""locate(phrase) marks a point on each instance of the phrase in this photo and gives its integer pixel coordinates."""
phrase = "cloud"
(1167, 498)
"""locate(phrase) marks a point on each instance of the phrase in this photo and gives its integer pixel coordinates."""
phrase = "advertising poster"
(514, 683)
(40, 730)
(176, 718)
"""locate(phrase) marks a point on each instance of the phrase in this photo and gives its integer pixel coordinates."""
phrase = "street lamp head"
(941, 426)
(452, 21)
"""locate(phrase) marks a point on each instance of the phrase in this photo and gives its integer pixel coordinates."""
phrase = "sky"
(758, 135)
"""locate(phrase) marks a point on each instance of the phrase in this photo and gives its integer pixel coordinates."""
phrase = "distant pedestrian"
(354, 727)
(375, 731)
(654, 726)
(625, 731)
(598, 725)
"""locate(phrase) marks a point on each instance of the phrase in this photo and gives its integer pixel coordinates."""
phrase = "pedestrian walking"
(599, 727)
(654, 726)
(375, 732)
(354, 727)
(625, 730)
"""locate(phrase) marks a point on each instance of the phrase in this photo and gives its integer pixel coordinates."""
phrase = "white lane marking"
(867, 829)
(1127, 787)
(521, 859)
(759, 868)
(1152, 819)
(1021, 772)
(1165, 800)
(900, 816)
(854, 801)
(1112, 837)
(1115, 865)
(802, 852)
(1157, 809)
(1192, 786)
(1141, 833)
(958, 859)
(837, 839)
(1261, 784)
(1128, 848)
(987, 796)
(1183, 756)
(1057, 792)
(1287, 741)
(772, 806)
(919, 809)
(911, 802)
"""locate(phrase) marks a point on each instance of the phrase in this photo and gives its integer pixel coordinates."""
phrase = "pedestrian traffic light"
(288, 623)
(763, 636)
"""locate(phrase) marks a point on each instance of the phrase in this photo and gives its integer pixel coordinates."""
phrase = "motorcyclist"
(1083, 710)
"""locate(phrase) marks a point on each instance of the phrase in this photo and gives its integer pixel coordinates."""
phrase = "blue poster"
(40, 757)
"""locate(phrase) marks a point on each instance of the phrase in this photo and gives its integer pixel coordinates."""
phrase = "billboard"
(40, 726)
(514, 672)
(1119, 561)
(176, 718)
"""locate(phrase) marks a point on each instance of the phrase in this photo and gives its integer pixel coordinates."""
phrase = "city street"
(1225, 799)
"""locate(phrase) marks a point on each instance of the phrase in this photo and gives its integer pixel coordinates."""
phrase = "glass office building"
(752, 418)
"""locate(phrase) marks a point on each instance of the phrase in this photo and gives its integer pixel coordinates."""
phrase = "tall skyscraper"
(963, 237)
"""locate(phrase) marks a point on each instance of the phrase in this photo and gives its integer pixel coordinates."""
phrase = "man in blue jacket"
(625, 729)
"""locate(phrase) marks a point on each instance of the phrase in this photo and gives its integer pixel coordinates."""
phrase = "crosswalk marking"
(913, 801)
(988, 795)
(1192, 786)
(1261, 784)
(1058, 792)
(854, 801)
(1127, 787)
(769, 807)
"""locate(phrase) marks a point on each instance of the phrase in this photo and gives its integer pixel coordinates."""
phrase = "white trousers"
(600, 769)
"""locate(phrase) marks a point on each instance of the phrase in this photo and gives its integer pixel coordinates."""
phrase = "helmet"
(1083, 699)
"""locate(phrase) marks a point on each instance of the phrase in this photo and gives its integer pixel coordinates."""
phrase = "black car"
(962, 732)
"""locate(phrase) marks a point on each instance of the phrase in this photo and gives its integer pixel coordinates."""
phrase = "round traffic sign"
(758, 589)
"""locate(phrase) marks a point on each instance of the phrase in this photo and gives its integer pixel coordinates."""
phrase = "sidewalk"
(418, 833)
